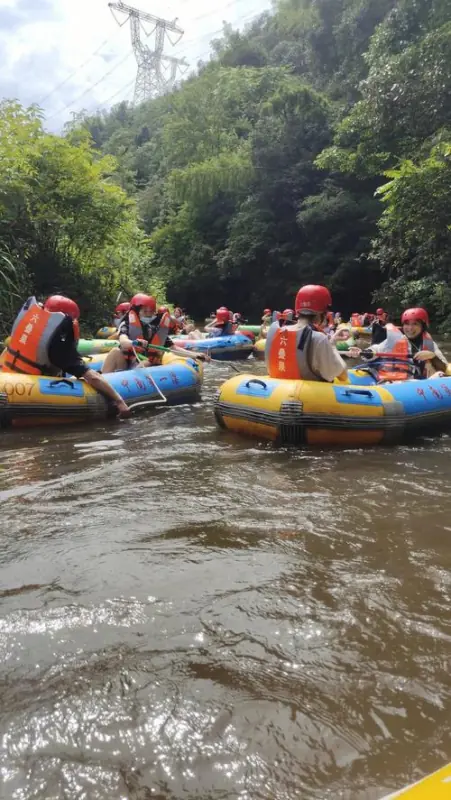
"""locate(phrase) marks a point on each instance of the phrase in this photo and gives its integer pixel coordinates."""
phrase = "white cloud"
(78, 44)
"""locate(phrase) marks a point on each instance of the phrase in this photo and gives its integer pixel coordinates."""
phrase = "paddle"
(168, 350)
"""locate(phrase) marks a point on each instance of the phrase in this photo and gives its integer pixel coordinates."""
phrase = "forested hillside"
(314, 146)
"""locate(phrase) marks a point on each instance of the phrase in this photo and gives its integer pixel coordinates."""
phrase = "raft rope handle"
(256, 380)
(62, 380)
(365, 392)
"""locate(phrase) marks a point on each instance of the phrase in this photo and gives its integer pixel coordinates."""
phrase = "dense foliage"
(65, 226)
(314, 146)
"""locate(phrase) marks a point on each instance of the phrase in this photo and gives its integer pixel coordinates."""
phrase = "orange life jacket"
(158, 332)
(396, 357)
(28, 349)
(158, 336)
(288, 352)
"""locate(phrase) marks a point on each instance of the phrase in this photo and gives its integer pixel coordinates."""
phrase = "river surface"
(187, 615)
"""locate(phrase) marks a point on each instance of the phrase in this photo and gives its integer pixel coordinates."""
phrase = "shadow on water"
(186, 614)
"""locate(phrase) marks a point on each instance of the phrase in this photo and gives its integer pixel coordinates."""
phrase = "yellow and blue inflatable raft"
(434, 787)
(352, 414)
(32, 400)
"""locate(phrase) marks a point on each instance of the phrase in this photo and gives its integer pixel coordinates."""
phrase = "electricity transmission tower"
(152, 77)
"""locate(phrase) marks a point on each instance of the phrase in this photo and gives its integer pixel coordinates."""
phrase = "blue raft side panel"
(423, 397)
(417, 397)
(176, 381)
(226, 348)
(60, 387)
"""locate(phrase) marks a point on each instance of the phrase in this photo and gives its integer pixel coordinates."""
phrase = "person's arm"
(328, 363)
(179, 351)
(439, 362)
(123, 334)
(64, 355)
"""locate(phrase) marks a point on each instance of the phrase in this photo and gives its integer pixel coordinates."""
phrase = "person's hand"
(354, 352)
(438, 374)
(123, 409)
(202, 357)
(424, 355)
(126, 344)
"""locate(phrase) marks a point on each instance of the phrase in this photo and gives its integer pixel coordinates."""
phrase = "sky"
(71, 55)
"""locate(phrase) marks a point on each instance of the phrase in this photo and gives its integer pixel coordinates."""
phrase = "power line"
(76, 99)
(80, 67)
(250, 14)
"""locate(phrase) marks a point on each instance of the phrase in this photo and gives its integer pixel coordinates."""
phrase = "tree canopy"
(313, 147)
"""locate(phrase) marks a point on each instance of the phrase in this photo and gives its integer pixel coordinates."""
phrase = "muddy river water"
(186, 614)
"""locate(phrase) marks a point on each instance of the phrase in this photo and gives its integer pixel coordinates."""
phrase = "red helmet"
(64, 304)
(415, 315)
(141, 300)
(313, 299)
(380, 312)
(267, 312)
(163, 310)
(122, 308)
(222, 314)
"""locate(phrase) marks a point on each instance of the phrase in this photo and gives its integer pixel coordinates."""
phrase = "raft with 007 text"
(350, 414)
(32, 400)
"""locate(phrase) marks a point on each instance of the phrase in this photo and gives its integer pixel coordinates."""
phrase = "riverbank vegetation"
(314, 147)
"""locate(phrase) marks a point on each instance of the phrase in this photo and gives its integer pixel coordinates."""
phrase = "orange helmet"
(141, 300)
(313, 299)
(57, 302)
(415, 315)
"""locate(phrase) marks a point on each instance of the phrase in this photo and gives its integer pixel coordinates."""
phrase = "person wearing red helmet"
(302, 351)
(266, 322)
(379, 327)
(410, 352)
(44, 342)
(288, 316)
(141, 328)
(238, 319)
(119, 312)
(221, 325)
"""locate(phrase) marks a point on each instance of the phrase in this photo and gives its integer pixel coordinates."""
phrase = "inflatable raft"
(88, 347)
(259, 350)
(220, 348)
(255, 329)
(434, 787)
(362, 333)
(96, 361)
(32, 400)
(105, 332)
(313, 413)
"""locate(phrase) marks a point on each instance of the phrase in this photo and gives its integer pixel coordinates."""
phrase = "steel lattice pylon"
(152, 78)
